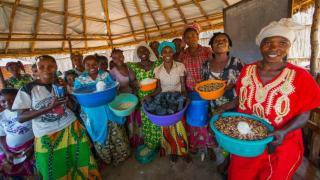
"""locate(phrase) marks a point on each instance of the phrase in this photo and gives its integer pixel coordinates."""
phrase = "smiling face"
(6, 101)
(191, 37)
(274, 49)
(143, 53)
(77, 60)
(167, 54)
(220, 44)
(46, 70)
(91, 65)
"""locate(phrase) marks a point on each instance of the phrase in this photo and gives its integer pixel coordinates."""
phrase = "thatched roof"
(31, 27)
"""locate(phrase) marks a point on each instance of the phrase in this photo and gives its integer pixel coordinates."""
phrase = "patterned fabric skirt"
(65, 155)
(200, 138)
(24, 169)
(116, 149)
(174, 139)
(134, 129)
(151, 132)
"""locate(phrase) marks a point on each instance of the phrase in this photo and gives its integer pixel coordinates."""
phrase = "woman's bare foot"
(211, 154)
(188, 158)
(173, 158)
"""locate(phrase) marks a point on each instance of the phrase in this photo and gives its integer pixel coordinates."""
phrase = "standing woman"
(62, 149)
(221, 66)
(17, 80)
(193, 57)
(110, 138)
(283, 95)
(171, 77)
(126, 78)
(142, 70)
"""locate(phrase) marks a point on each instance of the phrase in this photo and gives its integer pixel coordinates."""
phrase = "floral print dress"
(151, 132)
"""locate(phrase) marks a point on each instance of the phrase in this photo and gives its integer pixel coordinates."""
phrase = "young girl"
(144, 68)
(103, 62)
(193, 57)
(110, 138)
(17, 80)
(16, 139)
(62, 149)
(171, 77)
(69, 78)
(125, 77)
(76, 58)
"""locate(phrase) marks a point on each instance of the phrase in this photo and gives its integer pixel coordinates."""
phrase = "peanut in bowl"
(247, 145)
(211, 89)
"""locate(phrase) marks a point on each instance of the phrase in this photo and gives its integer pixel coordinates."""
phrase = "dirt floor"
(163, 169)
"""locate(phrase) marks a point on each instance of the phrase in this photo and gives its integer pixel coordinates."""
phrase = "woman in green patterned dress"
(17, 80)
(147, 61)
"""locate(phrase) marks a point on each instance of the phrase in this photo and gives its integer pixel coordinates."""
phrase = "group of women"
(271, 88)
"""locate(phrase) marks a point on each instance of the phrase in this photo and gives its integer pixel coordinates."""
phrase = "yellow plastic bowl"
(211, 95)
(149, 87)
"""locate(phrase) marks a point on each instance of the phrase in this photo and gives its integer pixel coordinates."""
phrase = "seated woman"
(171, 77)
(126, 78)
(62, 150)
(16, 139)
(283, 95)
(221, 66)
(110, 138)
(17, 80)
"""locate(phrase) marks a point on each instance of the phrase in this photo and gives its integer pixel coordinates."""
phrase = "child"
(126, 77)
(110, 139)
(171, 77)
(16, 139)
(34, 70)
(17, 80)
(69, 78)
(62, 149)
(103, 62)
(76, 59)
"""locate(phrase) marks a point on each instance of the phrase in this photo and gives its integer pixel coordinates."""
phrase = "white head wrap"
(136, 58)
(286, 27)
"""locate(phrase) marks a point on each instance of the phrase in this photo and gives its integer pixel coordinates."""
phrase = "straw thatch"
(32, 27)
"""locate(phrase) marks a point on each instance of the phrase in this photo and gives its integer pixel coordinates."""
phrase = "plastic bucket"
(197, 112)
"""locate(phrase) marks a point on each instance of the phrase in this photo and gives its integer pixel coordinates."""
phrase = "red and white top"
(290, 93)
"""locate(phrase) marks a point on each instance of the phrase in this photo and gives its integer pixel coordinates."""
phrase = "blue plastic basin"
(239, 147)
(197, 112)
(88, 97)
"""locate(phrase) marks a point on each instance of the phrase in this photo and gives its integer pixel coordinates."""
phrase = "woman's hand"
(230, 86)
(57, 102)
(279, 136)
(9, 156)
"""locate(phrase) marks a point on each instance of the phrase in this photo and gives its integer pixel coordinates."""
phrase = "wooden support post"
(2, 82)
(141, 19)
(107, 17)
(37, 24)
(65, 23)
(180, 11)
(13, 14)
(314, 39)
(84, 22)
(129, 20)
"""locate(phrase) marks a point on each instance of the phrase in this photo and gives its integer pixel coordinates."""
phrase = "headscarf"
(165, 44)
(194, 26)
(286, 28)
(152, 56)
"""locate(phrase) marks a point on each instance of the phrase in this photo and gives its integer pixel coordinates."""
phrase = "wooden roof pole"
(37, 24)
(180, 11)
(149, 11)
(226, 3)
(84, 22)
(5, 3)
(141, 19)
(65, 22)
(13, 14)
(107, 18)
(213, 17)
(202, 11)
(165, 15)
(129, 20)
(314, 38)
(2, 81)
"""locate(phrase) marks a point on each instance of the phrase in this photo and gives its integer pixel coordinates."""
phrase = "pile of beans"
(211, 87)
(228, 126)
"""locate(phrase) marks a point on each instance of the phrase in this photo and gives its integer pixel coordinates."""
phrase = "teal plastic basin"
(123, 98)
(239, 147)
